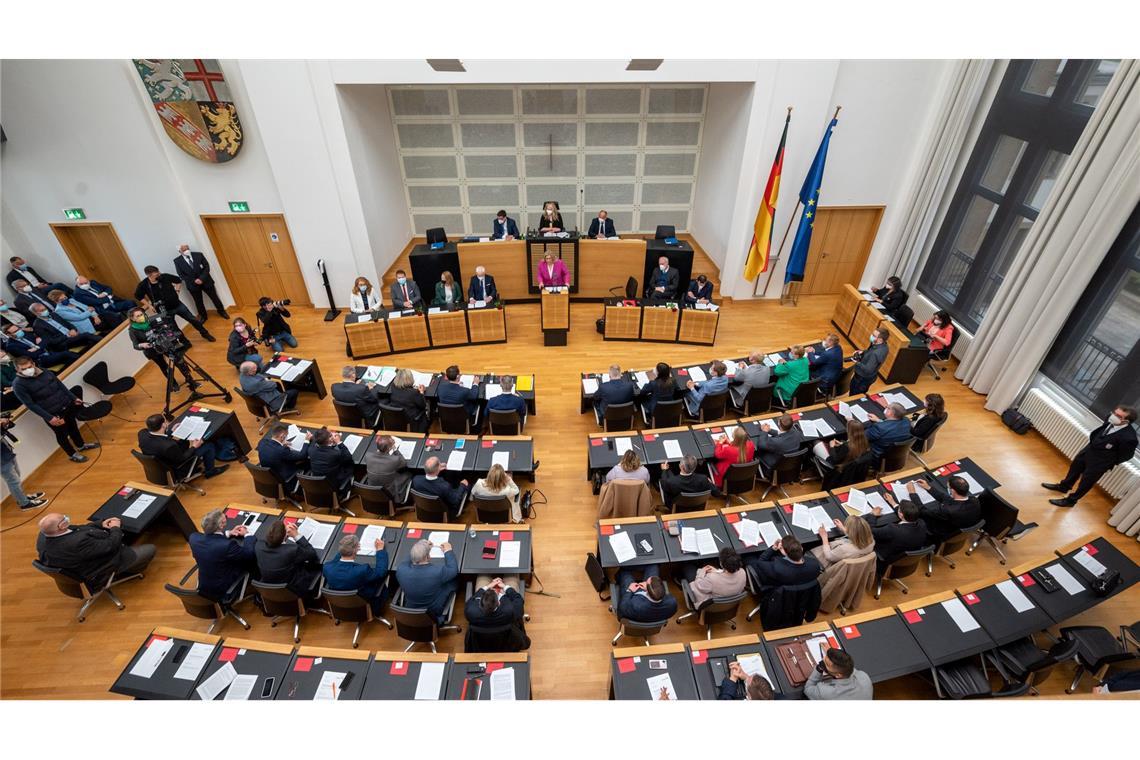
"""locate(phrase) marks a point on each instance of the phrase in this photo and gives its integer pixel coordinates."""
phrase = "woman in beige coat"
(857, 543)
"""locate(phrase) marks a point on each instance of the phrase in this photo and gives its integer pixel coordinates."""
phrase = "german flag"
(761, 247)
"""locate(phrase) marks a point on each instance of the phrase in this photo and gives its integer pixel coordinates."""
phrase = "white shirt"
(31, 278)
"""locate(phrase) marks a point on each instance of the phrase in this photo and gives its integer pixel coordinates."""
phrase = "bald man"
(90, 551)
(482, 287)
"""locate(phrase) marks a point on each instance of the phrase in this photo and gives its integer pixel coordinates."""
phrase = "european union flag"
(809, 196)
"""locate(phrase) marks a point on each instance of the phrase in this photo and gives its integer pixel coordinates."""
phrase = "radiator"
(1070, 435)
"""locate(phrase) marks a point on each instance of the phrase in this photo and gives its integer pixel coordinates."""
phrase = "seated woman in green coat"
(789, 374)
(447, 291)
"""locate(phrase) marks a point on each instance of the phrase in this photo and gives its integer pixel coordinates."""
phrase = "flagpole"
(772, 262)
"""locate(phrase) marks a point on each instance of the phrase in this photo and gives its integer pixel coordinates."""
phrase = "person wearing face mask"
(551, 219)
(84, 318)
(194, 270)
(22, 271)
(9, 316)
(482, 287)
(826, 365)
(44, 395)
(364, 297)
(405, 294)
(868, 361)
(7, 371)
(162, 289)
(20, 342)
(97, 295)
(602, 227)
(891, 295)
(940, 330)
(138, 331)
(504, 227)
(447, 291)
(242, 346)
(1111, 444)
(59, 334)
(663, 282)
(700, 291)
(27, 296)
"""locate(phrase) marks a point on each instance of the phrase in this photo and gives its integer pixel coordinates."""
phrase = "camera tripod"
(189, 369)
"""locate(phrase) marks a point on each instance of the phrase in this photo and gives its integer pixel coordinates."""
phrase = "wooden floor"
(45, 654)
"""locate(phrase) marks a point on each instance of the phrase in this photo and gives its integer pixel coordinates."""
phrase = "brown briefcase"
(796, 661)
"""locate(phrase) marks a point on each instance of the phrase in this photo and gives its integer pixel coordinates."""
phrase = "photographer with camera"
(42, 392)
(242, 347)
(274, 328)
(11, 470)
(144, 334)
(159, 291)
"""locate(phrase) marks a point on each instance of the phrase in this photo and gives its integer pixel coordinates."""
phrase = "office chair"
(93, 412)
(348, 415)
(714, 611)
(504, 422)
(842, 385)
(905, 565)
(894, 459)
(1023, 662)
(712, 407)
(903, 315)
(269, 486)
(162, 474)
(394, 418)
(453, 419)
(665, 231)
(320, 494)
(72, 585)
(690, 502)
(597, 576)
(758, 400)
(618, 417)
(632, 627)
(351, 607)
(964, 679)
(430, 508)
(923, 444)
(436, 235)
(740, 478)
(999, 518)
(952, 545)
(215, 610)
(415, 625)
(665, 414)
(631, 289)
(375, 500)
(279, 603)
(784, 606)
(786, 471)
(492, 510)
(261, 411)
(1097, 650)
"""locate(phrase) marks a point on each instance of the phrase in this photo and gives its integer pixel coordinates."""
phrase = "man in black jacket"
(894, 537)
(271, 315)
(615, 390)
(44, 395)
(772, 447)
(739, 685)
(689, 481)
(952, 510)
(26, 295)
(784, 564)
(175, 453)
(293, 562)
(161, 289)
(90, 552)
(431, 483)
(285, 462)
(330, 459)
(194, 270)
(493, 605)
(362, 395)
(22, 271)
(57, 333)
(1110, 444)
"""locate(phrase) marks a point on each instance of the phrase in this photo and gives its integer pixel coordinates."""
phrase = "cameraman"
(11, 470)
(272, 315)
(141, 336)
(242, 345)
(159, 290)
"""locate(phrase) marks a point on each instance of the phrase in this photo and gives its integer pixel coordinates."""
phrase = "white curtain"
(1096, 191)
(936, 172)
(1125, 516)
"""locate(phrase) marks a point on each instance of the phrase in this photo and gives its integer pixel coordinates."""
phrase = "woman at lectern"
(552, 272)
(364, 297)
(551, 219)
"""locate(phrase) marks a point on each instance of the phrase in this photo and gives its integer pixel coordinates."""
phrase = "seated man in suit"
(22, 271)
(428, 586)
(497, 603)
(882, 434)
(96, 294)
(432, 484)
(663, 282)
(740, 685)
(718, 383)
(58, 334)
(177, 454)
(504, 227)
(700, 291)
(689, 481)
(261, 386)
(405, 292)
(482, 287)
(330, 459)
(91, 551)
(223, 556)
(775, 444)
(646, 602)
(785, 563)
(388, 469)
(451, 391)
(894, 537)
(361, 394)
(615, 390)
(22, 342)
(748, 376)
(838, 678)
(602, 227)
(827, 365)
(283, 556)
(508, 400)
(279, 457)
(1110, 444)
(26, 295)
(344, 573)
(952, 510)
(10, 316)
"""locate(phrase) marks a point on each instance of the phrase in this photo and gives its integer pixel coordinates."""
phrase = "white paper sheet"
(748, 531)
(960, 615)
(328, 689)
(975, 486)
(387, 375)
(191, 428)
(467, 380)
(371, 374)
(823, 429)
(659, 682)
(152, 658)
(407, 448)
(923, 495)
(769, 361)
(875, 499)
(769, 532)
(845, 410)
(589, 385)
(622, 547)
(622, 445)
(689, 540)
(317, 532)
(455, 460)
(502, 458)
(240, 688)
(279, 370)
(673, 449)
(706, 544)
(768, 425)
(857, 500)
(730, 367)
(642, 378)
(368, 539)
(296, 370)
(697, 375)
(421, 378)
(860, 413)
(493, 389)
(821, 518)
(209, 689)
(430, 681)
(899, 398)
(753, 664)
(1066, 579)
(509, 553)
(394, 315)
(139, 505)
(1088, 562)
(191, 666)
(801, 517)
(898, 488)
(297, 442)
(364, 317)
(816, 645)
(503, 684)
(479, 304)
(438, 538)
(351, 442)
(1015, 596)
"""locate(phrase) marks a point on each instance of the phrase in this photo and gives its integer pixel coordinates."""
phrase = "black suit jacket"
(23, 303)
(20, 274)
(1105, 450)
(672, 283)
(894, 539)
(282, 460)
(774, 569)
(293, 563)
(366, 400)
(173, 452)
(198, 269)
(53, 339)
(946, 517)
(87, 551)
(773, 446)
(333, 463)
(491, 291)
(892, 300)
(620, 391)
(673, 485)
(595, 228)
(450, 496)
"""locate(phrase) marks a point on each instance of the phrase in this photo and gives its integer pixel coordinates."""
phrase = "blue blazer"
(282, 460)
(490, 294)
(702, 291)
(713, 385)
(620, 391)
(440, 487)
(497, 229)
(355, 576)
(221, 561)
(827, 365)
(639, 608)
(428, 586)
(454, 393)
(595, 228)
(508, 402)
(886, 433)
(110, 303)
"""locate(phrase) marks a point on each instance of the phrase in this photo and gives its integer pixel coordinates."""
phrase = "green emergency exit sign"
(74, 213)
(239, 207)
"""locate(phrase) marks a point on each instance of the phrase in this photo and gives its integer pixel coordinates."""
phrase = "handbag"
(1016, 421)
(796, 661)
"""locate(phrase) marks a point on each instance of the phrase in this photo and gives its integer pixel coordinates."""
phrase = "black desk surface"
(163, 684)
(464, 674)
(329, 548)
(842, 495)
(913, 403)
(936, 632)
(309, 380)
(217, 419)
(880, 645)
(266, 661)
(1060, 604)
(126, 496)
(944, 471)
(475, 545)
(651, 529)
(631, 667)
(521, 453)
(441, 446)
(997, 614)
(1100, 550)
(821, 499)
(707, 434)
(764, 512)
(309, 666)
(603, 451)
(825, 413)
(866, 403)
(803, 633)
(413, 532)
(391, 678)
(528, 396)
(703, 653)
(653, 445)
(708, 520)
(358, 453)
(393, 532)
(258, 518)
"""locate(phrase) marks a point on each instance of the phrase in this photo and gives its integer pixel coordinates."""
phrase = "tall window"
(1096, 358)
(1040, 110)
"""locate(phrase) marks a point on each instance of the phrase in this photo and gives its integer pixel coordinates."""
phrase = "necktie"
(406, 299)
(482, 290)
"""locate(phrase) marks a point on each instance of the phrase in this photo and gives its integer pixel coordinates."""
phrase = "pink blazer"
(560, 277)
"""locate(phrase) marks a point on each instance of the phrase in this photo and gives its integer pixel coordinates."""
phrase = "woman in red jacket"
(737, 451)
(940, 329)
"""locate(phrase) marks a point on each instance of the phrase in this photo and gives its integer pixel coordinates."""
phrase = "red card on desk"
(832, 642)
(506, 535)
(1027, 580)
(732, 518)
(912, 617)
(290, 520)
(626, 665)
(231, 513)
(195, 409)
(1090, 549)
(283, 358)
(488, 444)
(607, 530)
(228, 654)
(843, 497)
(303, 664)
(878, 399)
(953, 467)
(493, 666)
(398, 669)
(972, 598)
(125, 491)
(850, 632)
(650, 437)
(431, 442)
(788, 508)
(414, 532)
(350, 527)
(682, 371)
(700, 657)
(155, 638)
(597, 441)
(716, 430)
(796, 415)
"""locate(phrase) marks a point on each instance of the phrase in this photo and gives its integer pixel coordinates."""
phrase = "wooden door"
(840, 244)
(257, 257)
(97, 253)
